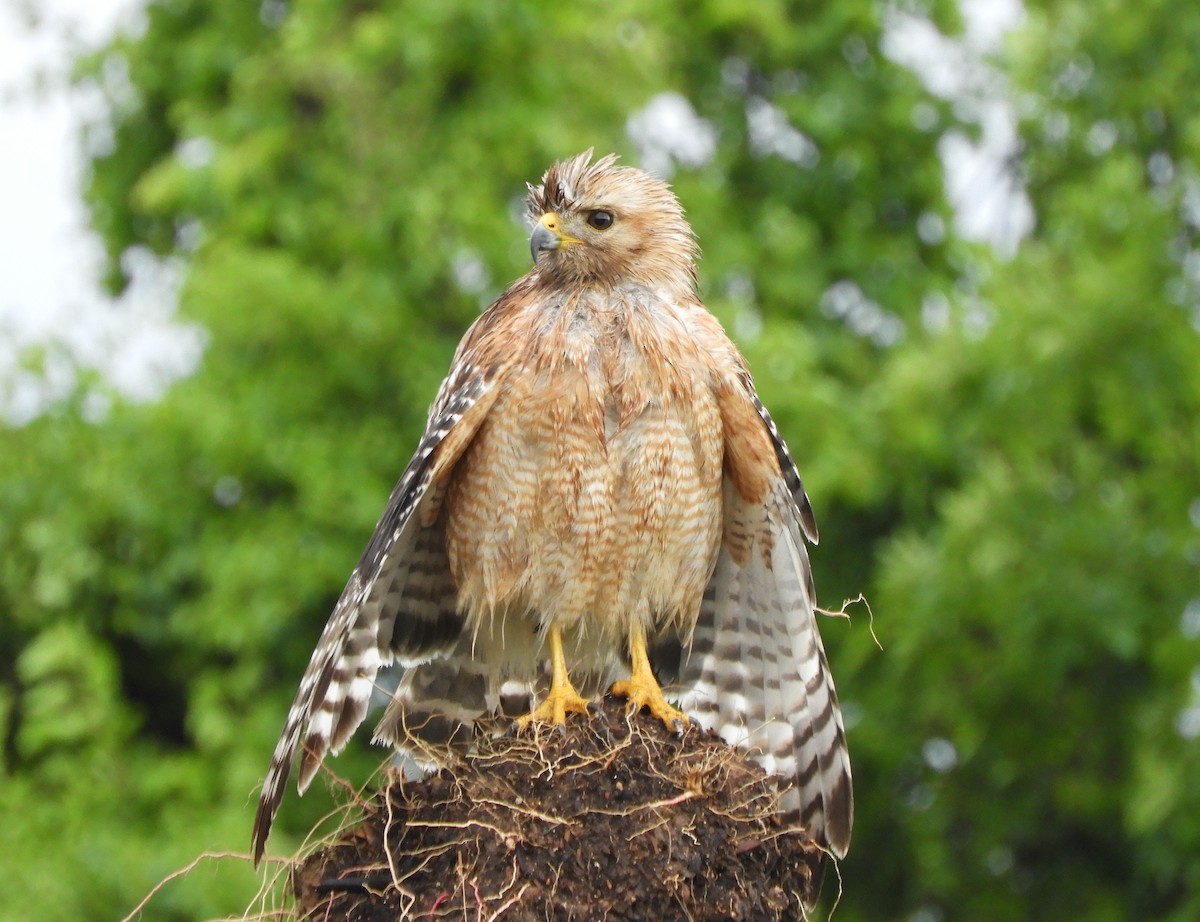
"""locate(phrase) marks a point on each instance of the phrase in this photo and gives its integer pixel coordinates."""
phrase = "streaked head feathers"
(648, 241)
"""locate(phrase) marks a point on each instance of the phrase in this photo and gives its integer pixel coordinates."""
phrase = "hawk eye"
(601, 220)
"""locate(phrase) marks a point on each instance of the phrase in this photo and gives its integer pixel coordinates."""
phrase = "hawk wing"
(756, 671)
(400, 599)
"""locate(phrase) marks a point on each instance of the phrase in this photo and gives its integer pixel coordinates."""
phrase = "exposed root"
(616, 818)
(843, 613)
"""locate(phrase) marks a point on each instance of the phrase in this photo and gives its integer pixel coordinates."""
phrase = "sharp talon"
(641, 689)
(561, 699)
(642, 693)
(678, 729)
(555, 709)
(593, 709)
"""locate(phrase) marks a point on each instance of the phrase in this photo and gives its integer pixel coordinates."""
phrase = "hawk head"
(599, 223)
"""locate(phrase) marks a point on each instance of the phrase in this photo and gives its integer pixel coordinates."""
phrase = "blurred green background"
(1001, 440)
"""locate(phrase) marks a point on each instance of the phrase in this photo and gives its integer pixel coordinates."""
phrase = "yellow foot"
(643, 693)
(554, 709)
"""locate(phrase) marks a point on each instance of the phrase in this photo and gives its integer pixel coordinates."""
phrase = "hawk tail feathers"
(436, 703)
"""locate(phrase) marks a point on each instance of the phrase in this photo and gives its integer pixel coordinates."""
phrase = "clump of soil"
(614, 818)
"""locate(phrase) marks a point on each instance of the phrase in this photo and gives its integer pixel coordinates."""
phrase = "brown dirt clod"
(613, 818)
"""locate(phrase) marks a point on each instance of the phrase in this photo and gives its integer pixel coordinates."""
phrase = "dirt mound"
(612, 819)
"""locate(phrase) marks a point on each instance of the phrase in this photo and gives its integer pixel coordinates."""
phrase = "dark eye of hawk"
(601, 220)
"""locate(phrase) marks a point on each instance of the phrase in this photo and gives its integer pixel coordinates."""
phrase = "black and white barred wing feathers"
(398, 602)
(756, 671)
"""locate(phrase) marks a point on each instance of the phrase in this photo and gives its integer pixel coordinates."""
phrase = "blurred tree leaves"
(1004, 455)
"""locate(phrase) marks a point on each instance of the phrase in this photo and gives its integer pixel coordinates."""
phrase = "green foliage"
(1015, 487)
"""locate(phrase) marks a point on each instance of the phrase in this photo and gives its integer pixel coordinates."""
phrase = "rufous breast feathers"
(593, 489)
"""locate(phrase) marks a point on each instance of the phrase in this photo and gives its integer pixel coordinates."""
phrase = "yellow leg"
(642, 689)
(562, 699)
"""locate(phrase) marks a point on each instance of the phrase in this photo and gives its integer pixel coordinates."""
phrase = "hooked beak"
(548, 235)
(542, 239)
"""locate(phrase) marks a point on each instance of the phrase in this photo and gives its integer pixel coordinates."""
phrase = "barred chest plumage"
(592, 493)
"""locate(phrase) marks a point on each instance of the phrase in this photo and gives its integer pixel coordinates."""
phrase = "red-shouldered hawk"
(599, 495)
